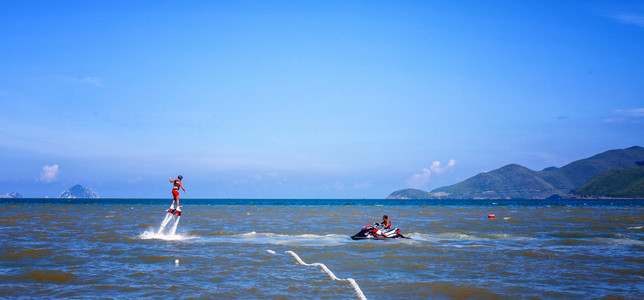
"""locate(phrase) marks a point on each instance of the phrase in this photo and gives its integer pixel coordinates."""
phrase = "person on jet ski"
(385, 222)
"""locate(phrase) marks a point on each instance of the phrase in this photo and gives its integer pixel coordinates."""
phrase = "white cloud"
(97, 82)
(418, 180)
(627, 14)
(258, 177)
(629, 18)
(633, 112)
(633, 115)
(49, 173)
(135, 180)
(436, 166)
(84, 80)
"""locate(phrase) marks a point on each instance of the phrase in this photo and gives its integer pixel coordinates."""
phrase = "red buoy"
(491, 216)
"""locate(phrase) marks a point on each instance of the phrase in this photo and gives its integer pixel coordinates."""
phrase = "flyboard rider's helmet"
(180, 177)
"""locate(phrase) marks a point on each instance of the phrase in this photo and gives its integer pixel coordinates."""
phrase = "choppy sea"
(237, 249)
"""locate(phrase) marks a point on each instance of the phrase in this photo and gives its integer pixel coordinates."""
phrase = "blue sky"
(309, 99)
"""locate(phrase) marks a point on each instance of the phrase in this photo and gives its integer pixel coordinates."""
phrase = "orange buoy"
(491, 216)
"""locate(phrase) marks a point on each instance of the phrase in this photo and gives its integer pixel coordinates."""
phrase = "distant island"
(615, 174)
(12, 195)
(79, 191)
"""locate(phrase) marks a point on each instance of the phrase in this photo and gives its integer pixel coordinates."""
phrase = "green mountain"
(617, 183)
(572, 176)
(511, 181)
(517, 182)
(410, 194)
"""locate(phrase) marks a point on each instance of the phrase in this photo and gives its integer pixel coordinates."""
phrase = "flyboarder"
(175, 194)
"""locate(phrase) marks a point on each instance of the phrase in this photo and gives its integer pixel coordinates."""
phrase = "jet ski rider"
(385, 222)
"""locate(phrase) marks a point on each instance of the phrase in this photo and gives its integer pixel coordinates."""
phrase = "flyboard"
(172, 217)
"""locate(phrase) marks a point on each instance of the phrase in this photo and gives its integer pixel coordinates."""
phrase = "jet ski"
(378, 233)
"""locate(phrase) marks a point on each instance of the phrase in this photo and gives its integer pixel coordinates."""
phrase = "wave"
(284, 239)
(339, 239)
(152, 234)
(620, 242)
(439, 238)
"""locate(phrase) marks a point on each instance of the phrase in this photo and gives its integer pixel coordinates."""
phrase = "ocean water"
(237, 249)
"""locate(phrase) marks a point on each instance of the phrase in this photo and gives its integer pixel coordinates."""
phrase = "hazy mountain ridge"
(514, 181)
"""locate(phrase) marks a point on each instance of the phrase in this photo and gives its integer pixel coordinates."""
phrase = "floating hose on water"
(325, 269)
